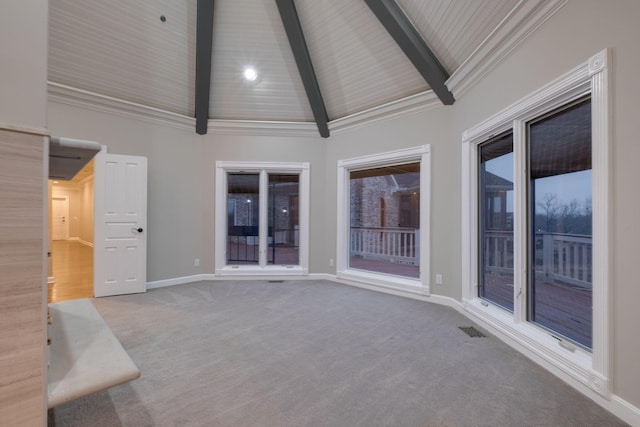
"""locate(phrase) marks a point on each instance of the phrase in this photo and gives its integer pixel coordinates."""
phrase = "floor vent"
(275, 281)
(471, 331)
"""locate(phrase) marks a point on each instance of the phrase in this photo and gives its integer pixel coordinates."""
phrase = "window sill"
(574, 361)
(384, 280)
(255, 270)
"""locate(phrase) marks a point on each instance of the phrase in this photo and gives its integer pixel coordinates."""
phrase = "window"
(495, 211)
(559, 235)
(378, 240)
(383, 226)
(284, 229)
(243, 191)
(536, 242)
(265, 227)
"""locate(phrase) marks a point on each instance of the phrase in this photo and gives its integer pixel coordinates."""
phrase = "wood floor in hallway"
(72, 271)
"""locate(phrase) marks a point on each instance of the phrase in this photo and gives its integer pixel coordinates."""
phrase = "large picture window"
(536, 240)
(383, 223)
(264, 228)
(560, 236)
(384, 212)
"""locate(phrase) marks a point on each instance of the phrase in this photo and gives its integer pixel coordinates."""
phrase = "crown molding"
(75, 97)
(264, 128)
(69, 95)
(410, 104)
(521, 22)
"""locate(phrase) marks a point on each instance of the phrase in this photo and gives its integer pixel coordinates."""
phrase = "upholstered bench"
(84, 355)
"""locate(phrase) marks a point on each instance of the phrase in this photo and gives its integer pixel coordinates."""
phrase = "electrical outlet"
(331, 262)
(196, 262)
(438, 279)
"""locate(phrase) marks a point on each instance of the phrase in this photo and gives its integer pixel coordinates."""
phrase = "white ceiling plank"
(453, 29)
(250, 33)
(122, 49)
(357, 63)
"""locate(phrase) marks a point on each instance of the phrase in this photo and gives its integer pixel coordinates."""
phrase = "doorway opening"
(71, 236)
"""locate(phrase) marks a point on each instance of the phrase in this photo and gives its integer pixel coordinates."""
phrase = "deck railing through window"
(400, 245)
(559, 258)
(564, 258)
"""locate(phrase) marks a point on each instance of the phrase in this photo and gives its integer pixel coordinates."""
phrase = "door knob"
(140, 230)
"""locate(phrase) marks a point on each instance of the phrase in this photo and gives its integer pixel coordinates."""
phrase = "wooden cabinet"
(23, 191)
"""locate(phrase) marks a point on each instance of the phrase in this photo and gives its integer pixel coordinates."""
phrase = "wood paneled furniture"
(23, 294)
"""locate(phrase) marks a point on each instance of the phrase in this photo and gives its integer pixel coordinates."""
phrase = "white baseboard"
(320, 276)
(201, 277)
(616, 405)
(391, 290)
(625, 410)
(180, 280)
(79, 240)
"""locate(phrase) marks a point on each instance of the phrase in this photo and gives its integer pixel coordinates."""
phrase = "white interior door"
(120, 248)
(59, 218)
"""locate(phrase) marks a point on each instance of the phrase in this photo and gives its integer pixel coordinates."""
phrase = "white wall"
(74, 218)
(86, 214)
(81, 213)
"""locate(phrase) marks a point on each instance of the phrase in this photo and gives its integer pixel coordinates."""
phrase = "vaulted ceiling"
(144, 52)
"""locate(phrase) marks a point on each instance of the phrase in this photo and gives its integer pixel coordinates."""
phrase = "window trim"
(262, 168)
(420, 154)
(592, 369)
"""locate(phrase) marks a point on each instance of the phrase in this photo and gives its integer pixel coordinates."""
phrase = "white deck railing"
(498, 251)
(565, 258)
(559, 257)
(391, 244)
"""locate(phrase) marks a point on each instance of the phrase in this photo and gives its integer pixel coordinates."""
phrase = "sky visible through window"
(566, 188)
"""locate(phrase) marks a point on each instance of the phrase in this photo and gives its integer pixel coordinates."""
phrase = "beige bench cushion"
(84, 355)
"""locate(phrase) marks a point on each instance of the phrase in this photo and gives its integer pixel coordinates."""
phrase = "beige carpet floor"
(315, 353)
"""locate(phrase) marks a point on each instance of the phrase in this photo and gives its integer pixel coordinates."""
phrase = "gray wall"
(268, 149)
(181, 180)
(578, 31)
(181, 164)
(427, 127)
(175, 187)
(23, 75)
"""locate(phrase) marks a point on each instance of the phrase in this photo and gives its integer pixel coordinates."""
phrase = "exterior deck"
(559, 307)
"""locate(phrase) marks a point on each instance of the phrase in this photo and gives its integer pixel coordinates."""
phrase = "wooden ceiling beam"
(204, 42)
(400, 28)
(292, 27)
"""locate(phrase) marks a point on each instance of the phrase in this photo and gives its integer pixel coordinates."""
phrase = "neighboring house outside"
(385, 219)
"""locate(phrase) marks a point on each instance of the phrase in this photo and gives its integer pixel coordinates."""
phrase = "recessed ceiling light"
(250, 74)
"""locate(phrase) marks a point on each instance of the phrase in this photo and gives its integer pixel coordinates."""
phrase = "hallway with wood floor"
(72, 271)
